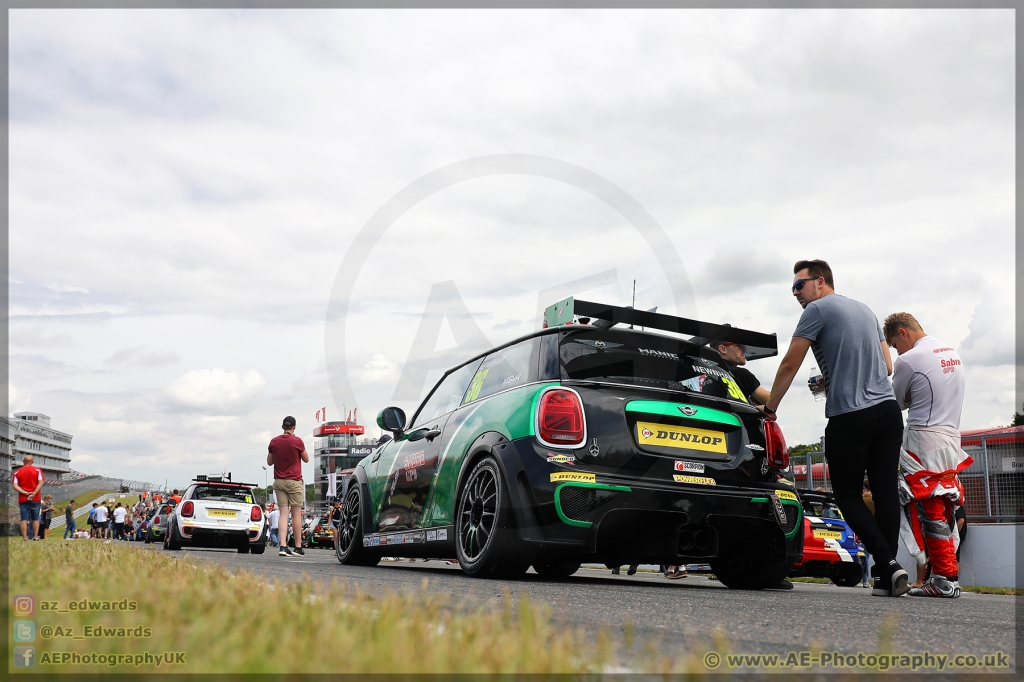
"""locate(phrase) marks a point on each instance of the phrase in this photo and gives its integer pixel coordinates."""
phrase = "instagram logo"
(24, 605)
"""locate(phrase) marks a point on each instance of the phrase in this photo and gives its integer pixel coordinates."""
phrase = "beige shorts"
(289, 493)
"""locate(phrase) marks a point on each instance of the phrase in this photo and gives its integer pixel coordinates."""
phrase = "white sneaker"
(937, 586)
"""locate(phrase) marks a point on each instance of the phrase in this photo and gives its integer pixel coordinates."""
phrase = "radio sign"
(360, 450)
(327, 429)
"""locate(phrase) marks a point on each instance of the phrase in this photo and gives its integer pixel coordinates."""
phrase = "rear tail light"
(156, 521)
(188, 509)
(560, 419)
(775, 442)
(257, 514)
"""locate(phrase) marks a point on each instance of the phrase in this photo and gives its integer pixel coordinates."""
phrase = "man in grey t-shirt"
(865, 425)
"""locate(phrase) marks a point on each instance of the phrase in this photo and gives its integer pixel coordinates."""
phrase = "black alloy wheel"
(349, 549)
(482, 518)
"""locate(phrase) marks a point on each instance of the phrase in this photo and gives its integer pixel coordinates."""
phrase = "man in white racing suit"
(928, 378)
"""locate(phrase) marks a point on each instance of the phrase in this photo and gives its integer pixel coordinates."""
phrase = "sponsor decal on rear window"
(576, 476)
(669, 436)
(699, 480)
(695, 467)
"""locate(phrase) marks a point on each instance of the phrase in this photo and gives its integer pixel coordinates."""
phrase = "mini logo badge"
(688, 411)
(599, 344)
(647, 433)
(594, 449)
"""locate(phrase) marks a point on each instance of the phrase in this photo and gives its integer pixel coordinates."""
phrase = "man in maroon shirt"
(287, 452)
(28, 481)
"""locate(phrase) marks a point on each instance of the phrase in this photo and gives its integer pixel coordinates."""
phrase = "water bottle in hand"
(814, 381)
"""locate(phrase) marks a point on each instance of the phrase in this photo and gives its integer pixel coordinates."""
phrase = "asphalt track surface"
(680, 616)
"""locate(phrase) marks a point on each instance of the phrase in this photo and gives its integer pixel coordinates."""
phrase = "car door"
(407, 469)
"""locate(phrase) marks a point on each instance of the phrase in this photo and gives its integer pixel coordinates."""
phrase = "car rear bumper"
(219, 536)
(565, 511)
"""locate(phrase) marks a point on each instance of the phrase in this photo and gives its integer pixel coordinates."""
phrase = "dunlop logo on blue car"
(669, 436)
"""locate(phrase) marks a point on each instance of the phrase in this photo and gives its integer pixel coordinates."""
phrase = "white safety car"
(216, 512)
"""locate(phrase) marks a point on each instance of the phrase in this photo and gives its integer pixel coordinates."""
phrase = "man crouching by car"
(287, 453)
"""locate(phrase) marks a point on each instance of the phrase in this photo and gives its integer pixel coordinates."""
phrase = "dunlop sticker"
(699, 480)
(576, 476)
(786, 495)
(669, 436)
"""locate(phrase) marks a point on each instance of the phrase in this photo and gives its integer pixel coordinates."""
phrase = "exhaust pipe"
(702, 540)
(685, 540)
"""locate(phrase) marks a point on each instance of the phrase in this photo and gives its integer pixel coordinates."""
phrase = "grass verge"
(237, 623)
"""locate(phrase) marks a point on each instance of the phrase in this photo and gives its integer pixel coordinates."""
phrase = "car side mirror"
(392, 419)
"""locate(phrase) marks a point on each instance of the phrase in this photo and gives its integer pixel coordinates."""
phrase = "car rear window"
(222, 493)
(642, 360)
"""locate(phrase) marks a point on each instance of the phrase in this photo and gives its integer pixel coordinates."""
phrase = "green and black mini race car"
(584, 442)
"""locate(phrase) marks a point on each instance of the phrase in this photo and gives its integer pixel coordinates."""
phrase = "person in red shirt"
(176, 496)
(286, 453)
(28, 481)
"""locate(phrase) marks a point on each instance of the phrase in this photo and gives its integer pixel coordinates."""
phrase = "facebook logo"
(24, 656)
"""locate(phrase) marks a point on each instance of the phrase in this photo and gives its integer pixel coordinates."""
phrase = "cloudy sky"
(184, 187)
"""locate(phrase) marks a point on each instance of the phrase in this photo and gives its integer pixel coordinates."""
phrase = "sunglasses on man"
(799, 284)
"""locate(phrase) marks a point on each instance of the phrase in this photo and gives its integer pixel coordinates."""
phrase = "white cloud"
(216, 392)
(991, 339)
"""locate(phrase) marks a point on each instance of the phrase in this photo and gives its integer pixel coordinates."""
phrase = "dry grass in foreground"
(237, 623)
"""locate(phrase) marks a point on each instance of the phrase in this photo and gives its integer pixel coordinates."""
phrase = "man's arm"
(18, 487)
(901, 383)
(270, 458)
(39, 485)
(760, 395)
(305, 456)
(888, 358)
(788, 368)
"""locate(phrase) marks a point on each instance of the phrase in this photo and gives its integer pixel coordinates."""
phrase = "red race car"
(831, 549)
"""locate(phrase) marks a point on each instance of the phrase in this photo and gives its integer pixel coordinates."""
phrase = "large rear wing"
(568, 311)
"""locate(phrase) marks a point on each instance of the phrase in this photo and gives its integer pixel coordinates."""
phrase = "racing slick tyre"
(556, 569)
(750, 574)
(243, 550)
(847, 575)
(350, 550)
(171, 540)
(482, 516)
(148, 538)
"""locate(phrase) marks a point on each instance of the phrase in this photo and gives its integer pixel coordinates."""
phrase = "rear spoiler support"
(757, 344)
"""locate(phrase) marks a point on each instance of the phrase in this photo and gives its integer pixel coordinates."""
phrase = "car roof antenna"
(633, 305)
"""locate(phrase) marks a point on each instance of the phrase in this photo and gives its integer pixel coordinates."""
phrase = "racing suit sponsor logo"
(575, 476)
(667, 435)
(695, 467)
(698, 480)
